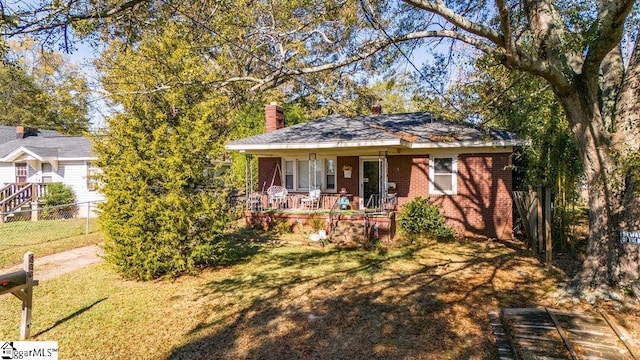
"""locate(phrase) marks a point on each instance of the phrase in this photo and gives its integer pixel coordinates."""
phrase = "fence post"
(547, 225)
(34, 211)
(27, 301)
(540, 232)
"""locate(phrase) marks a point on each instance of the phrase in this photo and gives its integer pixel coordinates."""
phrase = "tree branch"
(438, 7)
(505, 25)
(63, 17)
(607, 33)
(371, 49)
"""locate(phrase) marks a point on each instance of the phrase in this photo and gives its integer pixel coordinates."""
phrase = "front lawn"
(44, 237)
(287, 302)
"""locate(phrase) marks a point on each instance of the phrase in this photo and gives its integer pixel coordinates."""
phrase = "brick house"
(382, 161)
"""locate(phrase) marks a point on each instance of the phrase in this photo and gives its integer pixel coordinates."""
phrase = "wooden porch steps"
(18, 197)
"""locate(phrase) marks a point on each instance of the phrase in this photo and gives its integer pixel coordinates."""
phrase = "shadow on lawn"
(339, 304)
(242, 245)
(70, 316)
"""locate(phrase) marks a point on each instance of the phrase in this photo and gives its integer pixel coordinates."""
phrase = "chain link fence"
(34, 224)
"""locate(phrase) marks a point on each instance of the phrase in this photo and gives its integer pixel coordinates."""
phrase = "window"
(47, 170)
(309, 174)
(301, 174)
(330, 174)
(443, 175)
(288, 174)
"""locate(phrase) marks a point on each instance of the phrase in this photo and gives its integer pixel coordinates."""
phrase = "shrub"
(280, 226)
(162, 217)
(59, 202)
(165, 236)
(421, 217)
(317, 224)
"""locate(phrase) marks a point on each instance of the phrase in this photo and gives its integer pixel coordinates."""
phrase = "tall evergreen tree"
(162, 216)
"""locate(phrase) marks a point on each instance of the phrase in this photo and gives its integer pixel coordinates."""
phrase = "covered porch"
(320, 181)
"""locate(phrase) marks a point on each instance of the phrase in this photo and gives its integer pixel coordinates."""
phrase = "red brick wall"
(483, 204)
(266, 168)
(351, 185)
(411, 175)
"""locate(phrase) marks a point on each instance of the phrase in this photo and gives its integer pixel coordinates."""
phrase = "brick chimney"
(376, 109)
(274, 117)
(19, 132)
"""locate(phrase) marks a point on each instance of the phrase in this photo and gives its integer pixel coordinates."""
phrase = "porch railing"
(378, 202)
(14, 196)
(292, 201)
(296, 202)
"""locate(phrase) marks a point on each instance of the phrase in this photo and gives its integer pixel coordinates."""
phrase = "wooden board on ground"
(552, 334)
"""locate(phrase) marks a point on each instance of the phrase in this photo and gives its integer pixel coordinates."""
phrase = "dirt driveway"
(50, 266)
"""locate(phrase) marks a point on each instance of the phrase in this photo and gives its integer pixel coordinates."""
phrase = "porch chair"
(254, 201)
(277, 196)
(312, 201)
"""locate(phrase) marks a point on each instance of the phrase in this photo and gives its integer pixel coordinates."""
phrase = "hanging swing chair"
(277, 194)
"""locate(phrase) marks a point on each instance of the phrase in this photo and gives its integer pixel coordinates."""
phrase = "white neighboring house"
(30, 156)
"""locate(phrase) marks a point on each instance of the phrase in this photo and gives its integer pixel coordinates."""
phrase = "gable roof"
(420, 130)
(47, 148)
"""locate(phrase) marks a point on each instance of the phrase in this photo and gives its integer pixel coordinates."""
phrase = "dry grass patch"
(425, 302)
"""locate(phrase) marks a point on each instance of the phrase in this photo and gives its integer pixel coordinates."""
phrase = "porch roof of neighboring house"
(420, 130)
(55, 148)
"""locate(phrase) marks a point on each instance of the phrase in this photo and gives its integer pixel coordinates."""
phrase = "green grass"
(44, 238)
(425, 301)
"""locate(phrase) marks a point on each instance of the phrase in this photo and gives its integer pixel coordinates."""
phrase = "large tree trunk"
(613, 203)
(601, 265)
(627, 139)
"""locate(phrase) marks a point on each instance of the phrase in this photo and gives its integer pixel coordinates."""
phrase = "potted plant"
(317, 229)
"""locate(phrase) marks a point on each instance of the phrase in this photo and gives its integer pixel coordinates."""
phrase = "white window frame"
(323, 179)
(454, 175)
(46, 174)
(335, 174)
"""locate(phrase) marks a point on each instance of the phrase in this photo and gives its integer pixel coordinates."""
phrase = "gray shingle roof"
(420, 129)
(8, 133)
(51, 147)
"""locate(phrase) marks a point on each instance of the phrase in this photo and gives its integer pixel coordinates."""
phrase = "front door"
(371, 182)
(21, 173)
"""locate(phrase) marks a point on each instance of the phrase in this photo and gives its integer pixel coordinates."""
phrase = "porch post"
(382, 178)
(248, 184)
(313, 169)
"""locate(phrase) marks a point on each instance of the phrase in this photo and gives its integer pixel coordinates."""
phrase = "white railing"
(292, 201)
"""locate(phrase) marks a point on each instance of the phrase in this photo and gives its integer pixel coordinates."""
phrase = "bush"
(59, 202)
(280, 226)
(165, 236)
(316, 224)
(422, 218)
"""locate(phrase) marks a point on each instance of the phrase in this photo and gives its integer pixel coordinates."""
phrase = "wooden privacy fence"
(20, 284)
(534, 209)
